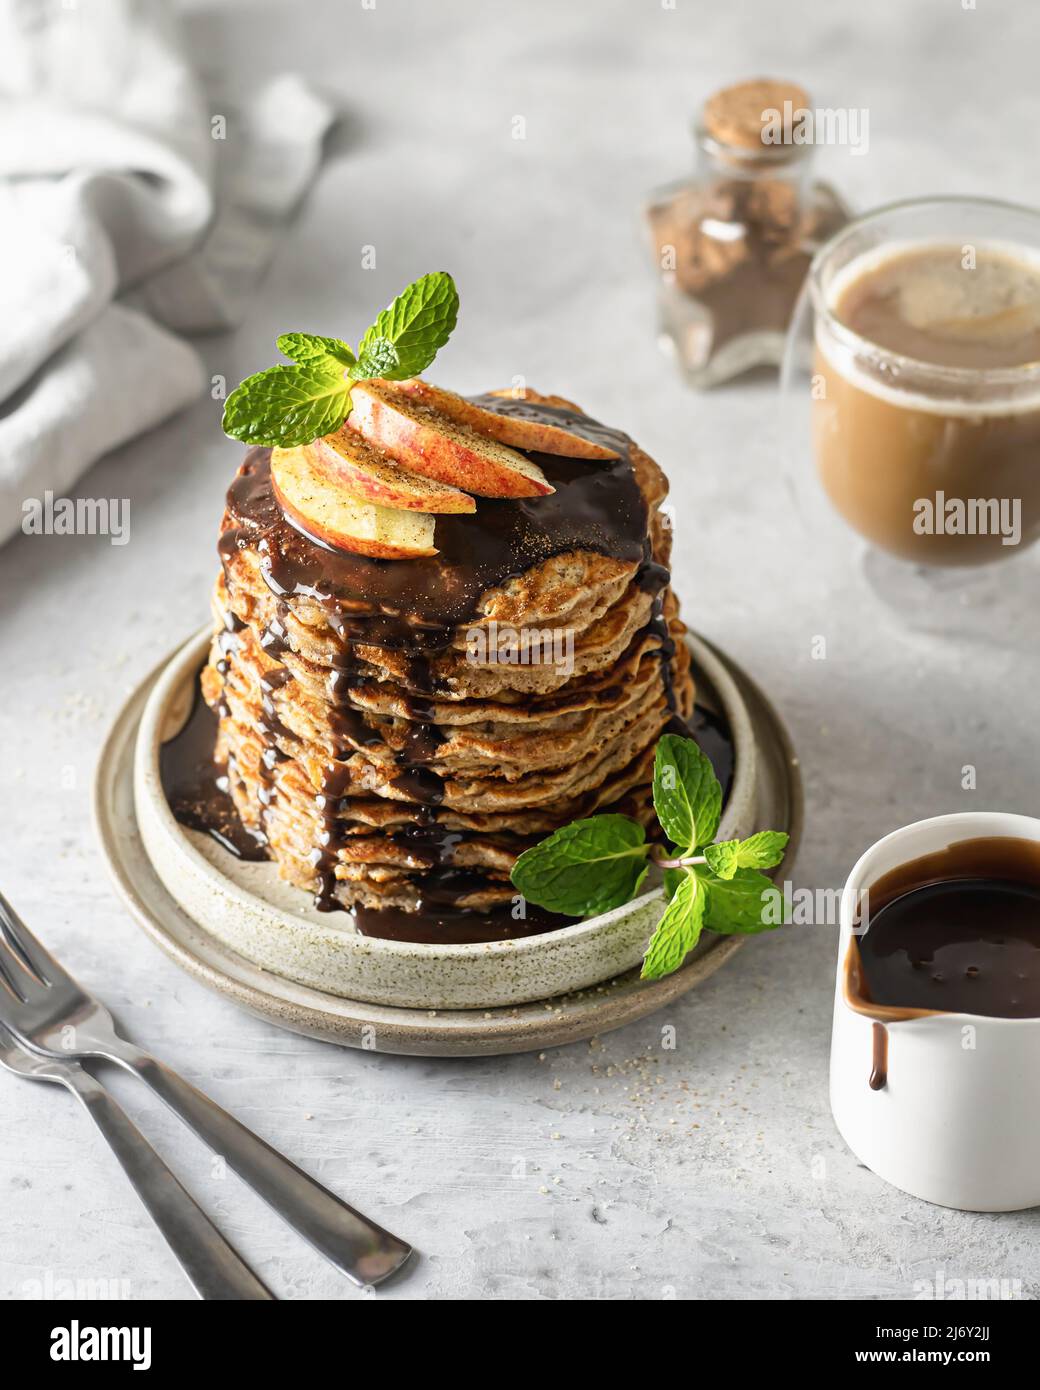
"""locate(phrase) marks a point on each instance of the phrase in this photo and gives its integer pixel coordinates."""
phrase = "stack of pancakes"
(370, 736)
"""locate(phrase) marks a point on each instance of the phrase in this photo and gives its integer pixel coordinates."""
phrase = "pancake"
(396, 732)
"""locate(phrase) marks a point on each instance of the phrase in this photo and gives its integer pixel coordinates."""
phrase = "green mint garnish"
(721, 859)
(586, 867)
(747, 903)
(761, 851)
(288, 406)
(687, 795)
(308, 349)
(406, 337)
(678, 931)
(598, 864)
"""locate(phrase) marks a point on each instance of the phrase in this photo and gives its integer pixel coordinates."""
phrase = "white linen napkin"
(128, 207)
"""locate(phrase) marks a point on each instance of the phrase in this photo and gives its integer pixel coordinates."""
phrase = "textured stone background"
(612, 1171)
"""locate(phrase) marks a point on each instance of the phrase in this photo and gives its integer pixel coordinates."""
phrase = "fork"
(214, 1267)
(45, 1008)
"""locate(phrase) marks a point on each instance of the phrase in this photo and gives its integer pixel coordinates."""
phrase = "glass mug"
(936, 466)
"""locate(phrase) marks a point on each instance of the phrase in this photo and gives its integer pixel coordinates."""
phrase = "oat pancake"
(396, 732)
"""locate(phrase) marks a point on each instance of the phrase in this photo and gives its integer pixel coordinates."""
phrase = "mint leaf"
(307, 349)
(722, 859)
(747, 903)
(585, 868)
(677, 932)
(761, 851)
(687, 794)
(379, 358)
(286, 406)
(672, 879)
(405, 337)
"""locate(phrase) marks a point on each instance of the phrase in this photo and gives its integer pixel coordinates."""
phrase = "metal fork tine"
(7, 976)
(22, 941)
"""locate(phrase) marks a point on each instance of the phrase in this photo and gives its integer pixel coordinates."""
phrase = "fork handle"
(215, 1269)
(364, 1251)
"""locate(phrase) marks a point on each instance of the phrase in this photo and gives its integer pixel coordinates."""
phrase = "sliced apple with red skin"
(535, 435)
(429, 443)
(326, 513)
(368, 475)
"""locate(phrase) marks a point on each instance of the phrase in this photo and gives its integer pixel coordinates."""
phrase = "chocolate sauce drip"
(650, 576)
(713, 734)
(455, 926)
(429, 841)
(271, 726)
(274, 640)
(422, 784)
(227, 641)
(346, 720)
(878, 1079)
(276, 679)
(196, 787)
(335, 782)
(425, 735)
(350, 731)
(658, 625)
(325, 899)
(343, 677)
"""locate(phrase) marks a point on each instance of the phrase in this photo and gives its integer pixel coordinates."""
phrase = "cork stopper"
(734, 116)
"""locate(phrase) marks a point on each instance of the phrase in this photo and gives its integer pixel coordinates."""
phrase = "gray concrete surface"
(623, 1170)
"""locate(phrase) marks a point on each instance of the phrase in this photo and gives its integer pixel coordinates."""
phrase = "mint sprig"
(594, 865)
(687, 794)
(405, 337)
(679, 929)
(288, 406)
(308, 349)
(746, 904)
(759, 851)
(586, 867)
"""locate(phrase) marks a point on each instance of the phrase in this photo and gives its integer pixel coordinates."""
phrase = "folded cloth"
(128, 207)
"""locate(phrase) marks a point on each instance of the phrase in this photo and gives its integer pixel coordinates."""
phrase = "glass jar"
(732, 245)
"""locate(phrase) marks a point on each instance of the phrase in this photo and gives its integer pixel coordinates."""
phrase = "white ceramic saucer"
(240, 930)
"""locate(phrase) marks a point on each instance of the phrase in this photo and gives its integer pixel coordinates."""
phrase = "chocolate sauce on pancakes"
(414, 608)
(956, 932)
(455, 926)
(414, 605)
(711, 731)
(196, 787)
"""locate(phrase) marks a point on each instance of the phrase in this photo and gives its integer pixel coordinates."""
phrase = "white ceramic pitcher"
(957, 1120)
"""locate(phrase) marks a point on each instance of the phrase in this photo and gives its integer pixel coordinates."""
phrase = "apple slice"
(326, 513)
(368, 475)
(431, 444)
(521, 433)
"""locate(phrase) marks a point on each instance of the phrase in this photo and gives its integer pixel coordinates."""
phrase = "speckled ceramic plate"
(240, 930)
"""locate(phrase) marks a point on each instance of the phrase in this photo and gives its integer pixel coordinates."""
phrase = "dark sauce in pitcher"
(957, 931)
